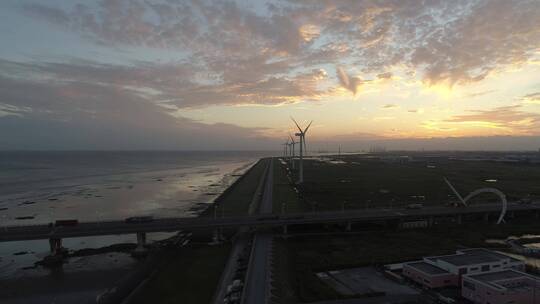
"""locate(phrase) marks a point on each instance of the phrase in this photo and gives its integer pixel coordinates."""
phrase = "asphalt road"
(240, 243)
(257, 288)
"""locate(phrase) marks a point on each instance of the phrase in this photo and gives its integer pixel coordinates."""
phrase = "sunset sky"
(189, 74)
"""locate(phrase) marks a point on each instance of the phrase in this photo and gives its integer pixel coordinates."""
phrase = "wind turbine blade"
(300, 129)
(291, 138)
(305, 131)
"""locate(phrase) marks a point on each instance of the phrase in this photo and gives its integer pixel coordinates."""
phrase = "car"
(139, 219)
(237, 284)
(297, 217)
(61, 223)
(525, 200)
(266, 218)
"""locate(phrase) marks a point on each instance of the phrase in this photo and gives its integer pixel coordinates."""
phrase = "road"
(240, 243)
(36, 232)
(257, 286)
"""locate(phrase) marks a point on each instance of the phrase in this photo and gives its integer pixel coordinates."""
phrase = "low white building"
(471, 261)
(501, 287)
(447, 270)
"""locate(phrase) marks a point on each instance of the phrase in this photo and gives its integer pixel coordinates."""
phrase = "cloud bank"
(273, 53)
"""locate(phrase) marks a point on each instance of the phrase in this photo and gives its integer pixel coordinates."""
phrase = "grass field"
(191, 277)
(285, 198)
(236, 200)
(361, 182)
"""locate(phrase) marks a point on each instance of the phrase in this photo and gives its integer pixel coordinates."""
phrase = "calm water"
(40, 187)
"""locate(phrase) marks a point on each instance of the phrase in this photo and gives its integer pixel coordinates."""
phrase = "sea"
(42, 187)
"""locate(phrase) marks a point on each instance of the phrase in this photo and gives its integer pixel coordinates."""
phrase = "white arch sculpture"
(479, 191)
(494, 191)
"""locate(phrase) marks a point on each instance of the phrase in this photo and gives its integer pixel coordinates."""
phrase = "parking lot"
(366, 281)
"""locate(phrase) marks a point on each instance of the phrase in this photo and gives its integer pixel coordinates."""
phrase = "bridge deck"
(36, 232)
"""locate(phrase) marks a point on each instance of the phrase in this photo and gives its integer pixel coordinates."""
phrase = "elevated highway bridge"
(83, 229)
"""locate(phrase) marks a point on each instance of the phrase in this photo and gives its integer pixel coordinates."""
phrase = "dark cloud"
(532, 97)
(450, 41)
(175, 83)
(82, 115)
(387, 75)
(509, 117)
(486, 36)
(478, 94)
(477, 143)
(51, 14)
(347, 81)
(234, 54)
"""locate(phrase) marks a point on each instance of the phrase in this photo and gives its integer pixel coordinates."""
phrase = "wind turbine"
(302, 135)
(285, 145)
(293, 143)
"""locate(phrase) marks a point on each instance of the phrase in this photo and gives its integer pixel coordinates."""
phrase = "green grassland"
(370, 182)
(191, 276)
(361, 182)
(236, 200)
(285, 198)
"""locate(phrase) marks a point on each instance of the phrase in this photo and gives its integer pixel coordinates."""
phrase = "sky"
(228, 75)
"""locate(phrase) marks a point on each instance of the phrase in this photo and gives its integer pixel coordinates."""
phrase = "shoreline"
(228, 181)
(196, 283)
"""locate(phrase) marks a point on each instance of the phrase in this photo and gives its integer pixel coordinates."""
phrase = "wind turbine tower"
(302, 134)
(293, 144)
(285, 145)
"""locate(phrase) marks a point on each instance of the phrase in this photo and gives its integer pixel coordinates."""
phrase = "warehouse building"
(447, 270)
(501, 287)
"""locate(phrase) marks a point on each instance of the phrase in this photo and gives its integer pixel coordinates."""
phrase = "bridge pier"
(285, 229)
(56, 258)
(55, 245)
(140, 251)
(459, 219)
(486, 217)
(348, 227)
(218, 235)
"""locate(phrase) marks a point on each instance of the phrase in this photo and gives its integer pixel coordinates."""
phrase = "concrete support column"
(349, 226)
(511, 214)
(140, 251)
(285, 229)
(536, 214)
(141, 241)
(459, 219)
(218, 235)
(431, 221)
(55, 245)
(486, 217)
